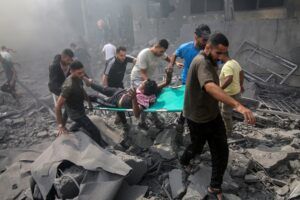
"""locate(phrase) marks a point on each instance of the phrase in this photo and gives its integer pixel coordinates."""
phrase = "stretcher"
(169, 100)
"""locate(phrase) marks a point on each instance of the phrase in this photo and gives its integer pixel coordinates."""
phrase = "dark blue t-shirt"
(187, 51)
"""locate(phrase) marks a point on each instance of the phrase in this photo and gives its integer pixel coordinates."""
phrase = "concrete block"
(176, 183)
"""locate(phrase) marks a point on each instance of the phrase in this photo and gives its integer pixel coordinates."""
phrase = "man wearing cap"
(188, 52)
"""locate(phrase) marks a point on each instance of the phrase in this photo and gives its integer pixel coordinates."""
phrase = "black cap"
(203, 31)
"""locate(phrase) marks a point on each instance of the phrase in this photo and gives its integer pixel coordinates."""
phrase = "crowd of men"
(209, 101)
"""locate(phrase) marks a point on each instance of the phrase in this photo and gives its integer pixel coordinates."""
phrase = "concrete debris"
(269, 158)
(138, 165)
(283, 190)
(42, 134)
(134, 192)
(239, 164)
(263, 163)
(251, 178)
(296, 143)
(295, 190)
(201, 179)
(165, 144)
(176, 183)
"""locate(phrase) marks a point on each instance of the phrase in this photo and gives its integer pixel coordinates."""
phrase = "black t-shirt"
(72, 90)
(115, 70)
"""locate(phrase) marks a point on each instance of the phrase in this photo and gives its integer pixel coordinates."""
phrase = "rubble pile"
(25, 123)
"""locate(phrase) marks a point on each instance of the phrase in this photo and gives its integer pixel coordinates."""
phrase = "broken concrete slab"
(231, 197)
(42, 134)
(251, 178)
(296, 143)
(165, 144)
(201, 180)
(295, 190)
(238, 164)
(192, 193)
(138, 165)
(110, 135)
(270, 158)
(127, 192)
(283, 190)
(176, 183)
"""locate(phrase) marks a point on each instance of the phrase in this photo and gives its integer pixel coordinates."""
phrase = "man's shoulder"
(199, 59)
(186, 45)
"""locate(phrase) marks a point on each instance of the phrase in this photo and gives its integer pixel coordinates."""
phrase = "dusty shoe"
(143, 126)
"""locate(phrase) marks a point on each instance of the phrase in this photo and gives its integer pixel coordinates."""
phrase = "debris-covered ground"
(264, 162)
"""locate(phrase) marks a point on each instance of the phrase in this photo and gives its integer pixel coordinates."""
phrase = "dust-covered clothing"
(73, 92)
(146, 60)
(199, 106)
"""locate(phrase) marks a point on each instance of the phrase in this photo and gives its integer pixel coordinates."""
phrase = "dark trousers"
(91, 130)
(181, 119)
(214, 133)
(110, 92)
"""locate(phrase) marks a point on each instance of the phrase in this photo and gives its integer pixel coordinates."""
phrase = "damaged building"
(264, 159)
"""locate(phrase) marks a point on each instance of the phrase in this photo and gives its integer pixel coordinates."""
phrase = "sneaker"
(143, 126)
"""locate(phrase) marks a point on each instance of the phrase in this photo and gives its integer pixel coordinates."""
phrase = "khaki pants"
(226, 112)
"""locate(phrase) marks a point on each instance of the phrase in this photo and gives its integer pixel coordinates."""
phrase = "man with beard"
(187, 52)
(72, 98)
(201, 109)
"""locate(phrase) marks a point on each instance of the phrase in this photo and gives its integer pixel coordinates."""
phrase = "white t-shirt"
(148, 61)
(109, 50)
(7, 56)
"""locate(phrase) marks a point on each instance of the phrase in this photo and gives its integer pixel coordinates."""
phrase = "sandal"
(212, 194)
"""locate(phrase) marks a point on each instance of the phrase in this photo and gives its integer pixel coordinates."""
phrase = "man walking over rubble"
(231, 81)
(188, 51)
(73, 96)
(147, 62)
(113, 77)
(202, 111)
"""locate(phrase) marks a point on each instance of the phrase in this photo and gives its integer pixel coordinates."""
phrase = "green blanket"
(169, 100)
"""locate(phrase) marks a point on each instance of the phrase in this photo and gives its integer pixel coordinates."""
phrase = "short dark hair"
(218, 38)
(150, 88)
(163, 43)
(121, 49)
(68, 52)
(3, 47)
(203, 30)
(76, 65)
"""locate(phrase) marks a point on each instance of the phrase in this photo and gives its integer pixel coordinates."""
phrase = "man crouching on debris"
(73, 96)
(137, 99)
(202, 111)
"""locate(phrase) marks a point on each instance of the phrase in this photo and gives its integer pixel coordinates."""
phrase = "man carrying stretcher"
(136, 99)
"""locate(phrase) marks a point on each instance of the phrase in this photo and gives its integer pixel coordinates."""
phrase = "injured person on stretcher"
(137, 99)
